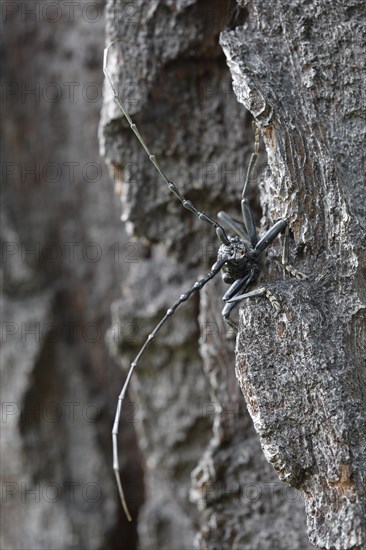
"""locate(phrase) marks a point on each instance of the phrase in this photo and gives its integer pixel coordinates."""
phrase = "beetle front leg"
(267, 239)
(237, 286)
(226, 315)
(263, 291)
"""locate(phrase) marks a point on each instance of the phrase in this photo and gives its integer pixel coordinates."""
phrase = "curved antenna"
(202, 216)
(216, 268)
(236, 227)
(246, 211)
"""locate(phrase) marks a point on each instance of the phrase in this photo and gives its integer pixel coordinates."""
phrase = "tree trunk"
(298, 71)
(60, 227)
(295, 67)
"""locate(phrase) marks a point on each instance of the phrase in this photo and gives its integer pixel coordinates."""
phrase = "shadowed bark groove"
(57, 207)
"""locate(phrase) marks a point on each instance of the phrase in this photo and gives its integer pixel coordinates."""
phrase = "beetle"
(238, 259)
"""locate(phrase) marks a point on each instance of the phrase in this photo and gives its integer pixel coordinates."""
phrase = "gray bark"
(300, 74)
(58, 382)
(296, 68)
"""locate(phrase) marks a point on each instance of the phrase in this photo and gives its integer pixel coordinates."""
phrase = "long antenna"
(197, 286)
(172, 187)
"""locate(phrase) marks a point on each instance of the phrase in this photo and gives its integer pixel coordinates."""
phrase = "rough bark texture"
(296, 67)
(60, 274)
(177, 88)
(303, 372)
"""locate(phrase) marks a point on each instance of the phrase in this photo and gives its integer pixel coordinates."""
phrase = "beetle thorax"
(242, 261)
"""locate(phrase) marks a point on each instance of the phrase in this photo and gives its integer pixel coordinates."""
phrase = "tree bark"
(60, 233)
(303, 372)
(295, 67)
